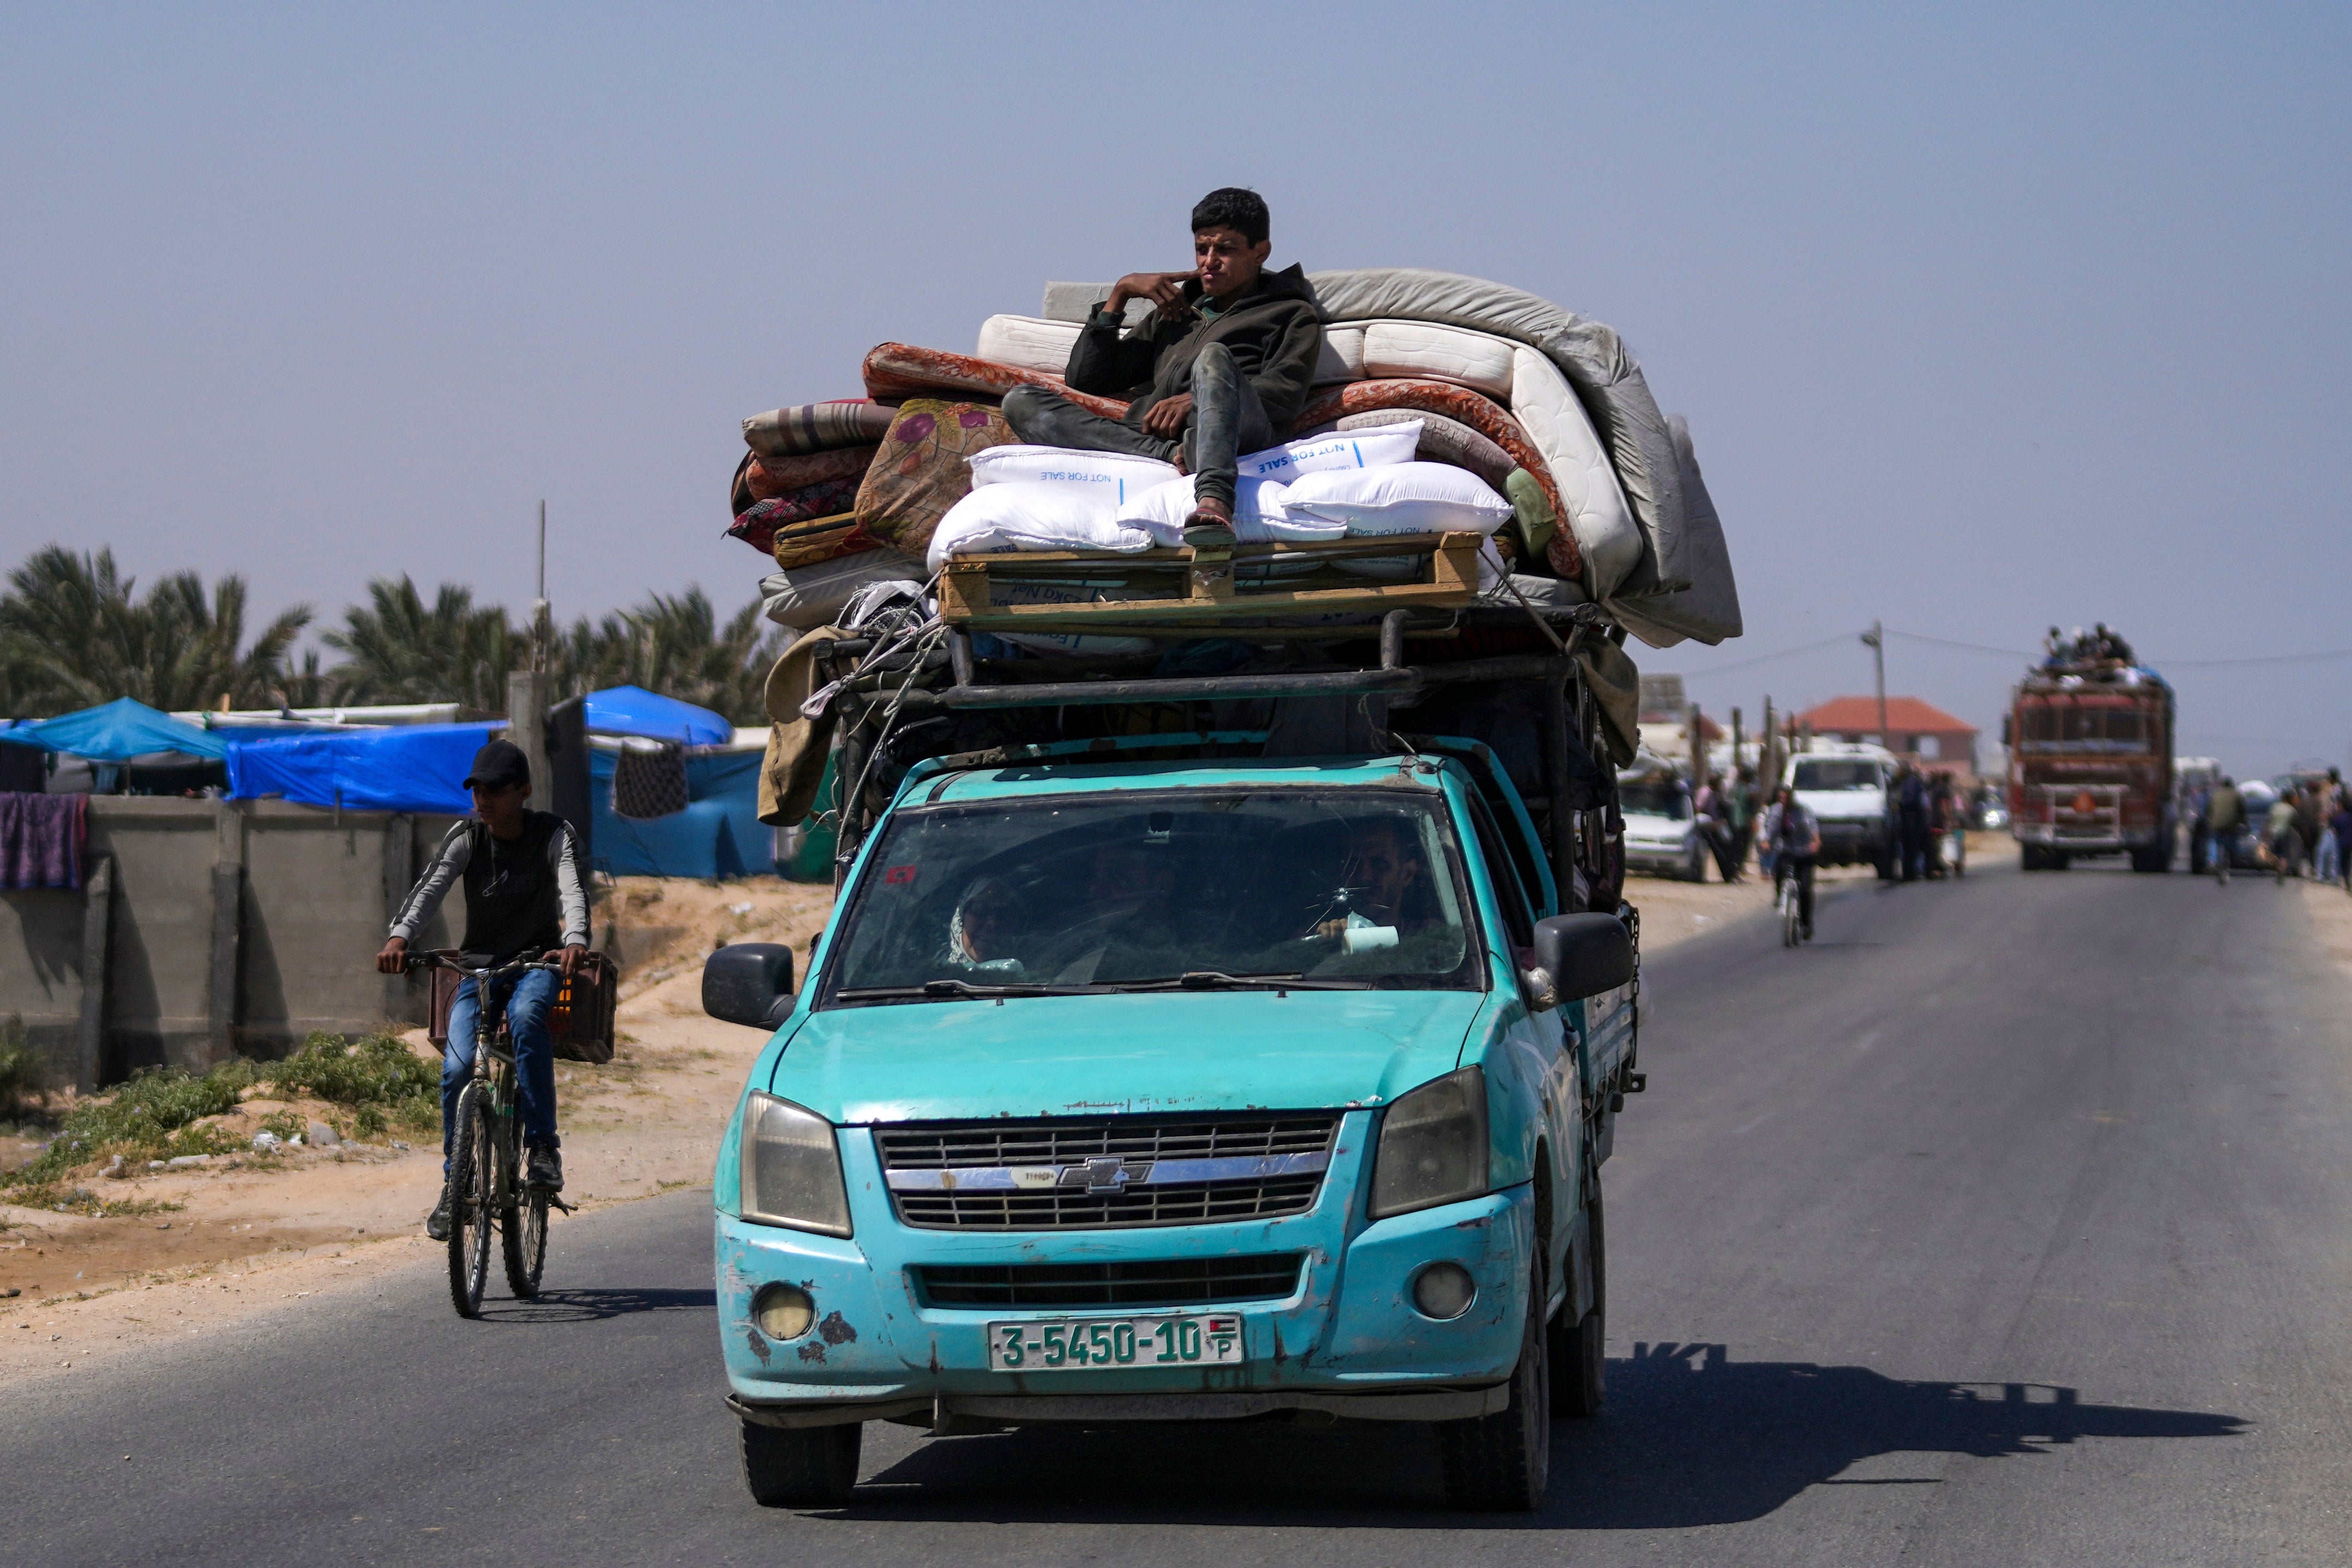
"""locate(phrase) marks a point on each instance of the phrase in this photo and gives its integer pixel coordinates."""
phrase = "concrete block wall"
(218, 927)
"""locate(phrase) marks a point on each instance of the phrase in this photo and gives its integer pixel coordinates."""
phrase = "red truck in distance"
(2090, 766)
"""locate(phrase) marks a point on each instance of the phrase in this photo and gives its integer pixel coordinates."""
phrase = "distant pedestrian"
(1911, 820)
(1744, 811)
(2340, 834)
(2225, 822)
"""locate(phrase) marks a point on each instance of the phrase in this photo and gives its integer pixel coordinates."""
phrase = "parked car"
(1661, 834)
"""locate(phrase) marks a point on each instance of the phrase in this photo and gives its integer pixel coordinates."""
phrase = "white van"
(1845, 785)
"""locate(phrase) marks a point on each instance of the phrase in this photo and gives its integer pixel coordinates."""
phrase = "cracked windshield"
(1170, 890)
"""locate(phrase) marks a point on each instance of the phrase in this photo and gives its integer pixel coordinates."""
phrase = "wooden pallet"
(1189, 590)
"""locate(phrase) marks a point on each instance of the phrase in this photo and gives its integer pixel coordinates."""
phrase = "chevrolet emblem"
(1102, 1173)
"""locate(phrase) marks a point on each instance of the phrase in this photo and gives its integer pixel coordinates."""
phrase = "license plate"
(1205, 1339)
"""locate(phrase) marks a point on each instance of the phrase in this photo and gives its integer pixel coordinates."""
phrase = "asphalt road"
(2006, 1224)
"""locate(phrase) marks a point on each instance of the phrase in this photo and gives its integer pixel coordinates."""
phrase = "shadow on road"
(1690, 1438)
(580, 1306)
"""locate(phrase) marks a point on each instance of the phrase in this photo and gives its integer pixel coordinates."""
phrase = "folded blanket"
(815, 427)
(901, 370)
(42, 839)
(828, 500)
(769, 478)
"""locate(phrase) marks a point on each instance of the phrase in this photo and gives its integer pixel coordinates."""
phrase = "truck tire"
(1578, 1349)
(2149, 858)
(803, 1467)
(1502, 1463)
(2032, 857)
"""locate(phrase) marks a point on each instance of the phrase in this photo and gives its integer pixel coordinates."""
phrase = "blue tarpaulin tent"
(412, 767)
(117, 732)
(632, 710)
(718, 834)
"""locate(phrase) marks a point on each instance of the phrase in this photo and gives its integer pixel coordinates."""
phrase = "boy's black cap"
(498, 764)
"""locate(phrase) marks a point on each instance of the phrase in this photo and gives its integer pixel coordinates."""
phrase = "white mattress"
(1597, 517)
(1478, 360)
(1030, 341)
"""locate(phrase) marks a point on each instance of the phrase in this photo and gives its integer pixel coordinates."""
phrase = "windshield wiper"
(951, 990)
(1218, 980)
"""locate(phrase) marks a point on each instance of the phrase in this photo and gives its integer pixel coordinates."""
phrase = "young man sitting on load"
(1220, 367)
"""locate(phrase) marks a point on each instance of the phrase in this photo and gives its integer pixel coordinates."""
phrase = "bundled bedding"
(1440, 403)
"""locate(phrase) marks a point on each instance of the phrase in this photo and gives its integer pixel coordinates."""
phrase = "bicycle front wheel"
(523, 1230)
(472, 1200)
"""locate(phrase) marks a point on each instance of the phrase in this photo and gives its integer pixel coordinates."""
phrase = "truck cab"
(1844, 784)
(1194, 1088)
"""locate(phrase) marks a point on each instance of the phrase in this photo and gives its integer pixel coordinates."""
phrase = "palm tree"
(73, 635)
(674, 645)
(397, 651)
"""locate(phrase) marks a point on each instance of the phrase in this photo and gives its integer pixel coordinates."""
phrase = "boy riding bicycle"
(1795, 838)
(524, 896)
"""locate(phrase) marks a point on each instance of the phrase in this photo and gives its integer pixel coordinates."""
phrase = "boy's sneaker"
(437, 1224)
(543, 1172)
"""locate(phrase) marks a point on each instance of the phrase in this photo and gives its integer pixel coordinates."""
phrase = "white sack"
(1112, 478)
(1261, 515)
(1338, 449)
(1400, 499)
(1023, 517)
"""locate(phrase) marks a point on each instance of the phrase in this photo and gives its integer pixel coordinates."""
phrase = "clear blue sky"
(1983, 317)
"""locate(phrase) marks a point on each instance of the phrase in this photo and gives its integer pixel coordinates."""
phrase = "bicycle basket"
(579, 1023)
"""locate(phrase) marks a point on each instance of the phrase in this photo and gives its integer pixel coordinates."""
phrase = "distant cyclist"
(1795, 839)
(525, 898)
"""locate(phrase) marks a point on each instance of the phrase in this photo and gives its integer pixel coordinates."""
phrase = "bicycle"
(486, 1155)
(1790, 934)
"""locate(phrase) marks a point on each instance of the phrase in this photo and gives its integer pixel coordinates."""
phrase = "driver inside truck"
(1220, 367)
(1378, 882)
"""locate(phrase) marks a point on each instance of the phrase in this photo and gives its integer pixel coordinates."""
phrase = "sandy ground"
(291, 1233)
(286, 1231)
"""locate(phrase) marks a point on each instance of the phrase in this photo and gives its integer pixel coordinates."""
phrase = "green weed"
(82, 1201)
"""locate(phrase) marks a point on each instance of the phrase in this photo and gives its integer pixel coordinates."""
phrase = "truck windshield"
(1189, 889)
(1835, 773)
(1666, 800)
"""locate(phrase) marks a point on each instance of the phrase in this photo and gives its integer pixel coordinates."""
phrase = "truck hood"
(1844, 805)
(1062, 1056)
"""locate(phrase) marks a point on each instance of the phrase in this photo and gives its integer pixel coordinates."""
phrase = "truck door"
(1542, 1036)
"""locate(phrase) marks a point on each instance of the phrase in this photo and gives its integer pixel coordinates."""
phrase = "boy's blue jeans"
(528, 998)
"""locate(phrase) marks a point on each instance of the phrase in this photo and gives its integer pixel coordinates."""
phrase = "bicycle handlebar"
(411, 962)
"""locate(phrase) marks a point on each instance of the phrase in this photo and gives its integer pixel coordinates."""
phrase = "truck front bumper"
(1347, 1341)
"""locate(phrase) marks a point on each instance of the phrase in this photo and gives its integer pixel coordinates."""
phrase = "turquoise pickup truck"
(1169, 1077)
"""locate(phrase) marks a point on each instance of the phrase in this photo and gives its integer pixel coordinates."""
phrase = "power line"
(2258, 659)
(1971, 647)
(1768, 658)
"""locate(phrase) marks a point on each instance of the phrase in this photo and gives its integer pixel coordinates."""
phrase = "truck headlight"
(788, 1171)
(1433, 1146)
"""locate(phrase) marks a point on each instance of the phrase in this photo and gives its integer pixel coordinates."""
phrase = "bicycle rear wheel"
(473, 1199)
(523, 1227)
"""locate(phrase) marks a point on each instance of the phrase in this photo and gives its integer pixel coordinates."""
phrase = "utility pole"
(1697, 750)
(1735, 738)
(1876, 640)
(1768, 759)
(527, 691)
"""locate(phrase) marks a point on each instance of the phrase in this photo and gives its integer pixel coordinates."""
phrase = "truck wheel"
(1578, 1351)
(803, 1467)
(1502, 1463)
(2028, 858)
(2151, 859)
(2060, 860)
(1886, 866)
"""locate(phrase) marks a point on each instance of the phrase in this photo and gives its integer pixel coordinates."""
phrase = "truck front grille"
(1105, 1172)
(1165, 1282)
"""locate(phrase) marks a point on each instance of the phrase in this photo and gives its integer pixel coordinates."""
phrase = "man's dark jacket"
(1273, 330)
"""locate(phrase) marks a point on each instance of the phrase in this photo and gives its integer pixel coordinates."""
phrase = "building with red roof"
(1920, 731)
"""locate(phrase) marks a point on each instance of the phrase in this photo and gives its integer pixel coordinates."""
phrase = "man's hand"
(393, 961)
(571, 957)
(1165, 419)
(1165, 290)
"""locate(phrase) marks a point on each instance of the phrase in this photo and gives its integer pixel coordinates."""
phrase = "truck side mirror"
(749, 983)
(1584, 955)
